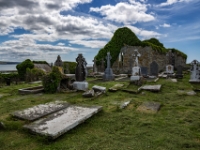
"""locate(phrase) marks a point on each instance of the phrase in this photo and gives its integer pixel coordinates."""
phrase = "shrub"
(21, 68)
(52, 80)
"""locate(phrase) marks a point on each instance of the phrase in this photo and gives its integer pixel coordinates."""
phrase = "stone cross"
(135, 56)
(170, 57)
(108, 58)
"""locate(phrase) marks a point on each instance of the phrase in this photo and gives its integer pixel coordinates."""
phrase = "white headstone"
(169, 69)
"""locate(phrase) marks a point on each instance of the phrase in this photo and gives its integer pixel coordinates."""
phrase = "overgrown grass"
(175, 126)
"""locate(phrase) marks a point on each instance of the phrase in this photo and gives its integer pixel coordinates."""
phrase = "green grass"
(175, 126)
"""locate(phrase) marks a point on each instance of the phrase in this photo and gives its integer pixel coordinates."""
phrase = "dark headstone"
(108, 74)
(58, 62)
(81, 70)
(179, 73)
(144, 71)
(154, 69)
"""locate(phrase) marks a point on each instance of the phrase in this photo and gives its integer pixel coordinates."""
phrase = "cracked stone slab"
(116, 87)
(150, 87)
(190, 93)
(62, 121)
(41, 110)
(149, 107)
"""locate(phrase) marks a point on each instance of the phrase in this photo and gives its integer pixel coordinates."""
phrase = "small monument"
(195, 72)
(154, 69)
(95, 65)
(58, 62)
(80, 74)
(170, 63)
(179, 73)
(136, 70)
(108, 74)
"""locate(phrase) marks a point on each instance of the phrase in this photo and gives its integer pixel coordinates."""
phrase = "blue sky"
(43, 29)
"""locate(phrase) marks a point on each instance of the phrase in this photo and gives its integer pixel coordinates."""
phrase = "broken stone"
(41, 110)
(149, 107)
(62, 121)
(150, 87)
(97, 88)
(124, 104)
(89, 93)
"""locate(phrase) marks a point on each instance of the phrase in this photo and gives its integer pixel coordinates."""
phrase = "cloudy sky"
(43, 29)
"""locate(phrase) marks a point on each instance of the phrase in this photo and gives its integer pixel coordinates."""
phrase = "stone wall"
(125, 63)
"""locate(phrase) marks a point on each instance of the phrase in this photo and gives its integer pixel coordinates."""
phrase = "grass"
(175, 126)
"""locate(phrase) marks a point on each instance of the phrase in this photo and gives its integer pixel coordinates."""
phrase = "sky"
(43, 29)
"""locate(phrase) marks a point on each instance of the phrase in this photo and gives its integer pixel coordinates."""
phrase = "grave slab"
(150, 87)
(62, 121)
(116, 87)
(41, 110)
(97, 88)
(89, 93)
(149, 107)
(31, 90)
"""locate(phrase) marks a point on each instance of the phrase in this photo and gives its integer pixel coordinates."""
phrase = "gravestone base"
(80, 85)
(135, 78)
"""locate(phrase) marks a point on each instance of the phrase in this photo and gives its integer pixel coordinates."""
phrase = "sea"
(8, 67)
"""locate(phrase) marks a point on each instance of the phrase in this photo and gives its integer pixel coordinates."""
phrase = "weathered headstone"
(62, 121)
(80, 74)
(41, 110)
(144, 71)
(169, 69)
(179, 73)
(136, 70)
(58, 62)
(154, 69)
(195, 71)
(108, 74)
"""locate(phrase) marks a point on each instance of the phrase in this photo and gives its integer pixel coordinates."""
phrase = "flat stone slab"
(97, 88)
(173, 80)
(62, 121)
(149, 107)
(116, 87)
(190, 93)
(150, 87)
(31, 90)
(89, 93)
(41, 110)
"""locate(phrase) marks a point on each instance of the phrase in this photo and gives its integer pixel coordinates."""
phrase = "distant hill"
(8, 63)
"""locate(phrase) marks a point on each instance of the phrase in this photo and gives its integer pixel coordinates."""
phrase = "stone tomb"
(39, 111)
(154, 69)
(149, 107)
(62, 121)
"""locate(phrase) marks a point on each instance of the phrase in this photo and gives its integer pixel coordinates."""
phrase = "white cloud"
(125, 12)
(90, 43)
(61, 44)
(170, 2)
(165, 25)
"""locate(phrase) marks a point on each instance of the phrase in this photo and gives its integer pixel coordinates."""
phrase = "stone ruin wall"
(147, 57)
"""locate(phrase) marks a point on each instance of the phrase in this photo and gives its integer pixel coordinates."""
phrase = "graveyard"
(165, 119)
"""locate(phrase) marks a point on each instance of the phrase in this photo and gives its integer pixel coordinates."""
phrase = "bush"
(21, 68)
(52, 80)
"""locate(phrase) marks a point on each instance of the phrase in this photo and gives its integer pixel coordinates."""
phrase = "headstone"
(144, 71)
(195, 71)
(108, 74)
(149, 107)
(154, 69)
(41, 110)
(179, 73)
(62, 121)
(80, 74)
(169, 69)
(95, 65)
(97, 88)
(136, 70)
(58, 62)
